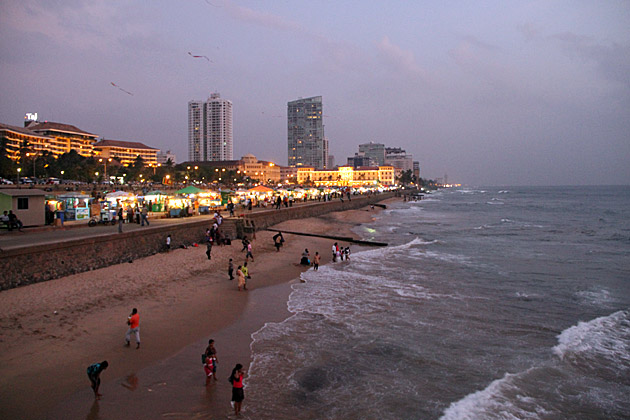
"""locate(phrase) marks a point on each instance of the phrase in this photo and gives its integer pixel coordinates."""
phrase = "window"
(22, 203)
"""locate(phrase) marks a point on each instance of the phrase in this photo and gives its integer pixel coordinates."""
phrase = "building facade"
(65, 137)
(347, 176)
(307, 145)
(126, 152)
(375, 151)
(210, 130)
(13, 139)
(248, 165)
(163, 157)
(398, 158)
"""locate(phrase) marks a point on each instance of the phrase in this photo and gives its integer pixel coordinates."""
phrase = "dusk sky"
(488, 92)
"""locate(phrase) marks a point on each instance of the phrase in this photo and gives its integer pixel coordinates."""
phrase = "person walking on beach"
(120, 219)
(334, 252)
(236, 379)
(241, 279)
(211, 353)
(278, 241)
(209, 247)
(134, 327)
(316, 259)
(231, 269)
(244, 242)
(168, 243)
(94, 373)
(249, 252)
(346, 252)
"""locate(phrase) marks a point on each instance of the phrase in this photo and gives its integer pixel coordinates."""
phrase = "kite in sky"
(199, 56)
(119, 88)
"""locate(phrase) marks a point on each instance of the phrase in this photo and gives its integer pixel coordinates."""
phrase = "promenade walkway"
(80, 230)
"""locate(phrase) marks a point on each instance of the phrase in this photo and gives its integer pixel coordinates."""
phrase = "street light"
(18, 179)
(62, 172)
(105, 165)
(34, 161)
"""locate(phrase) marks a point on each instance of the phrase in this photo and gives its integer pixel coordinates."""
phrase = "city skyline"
(523, 93)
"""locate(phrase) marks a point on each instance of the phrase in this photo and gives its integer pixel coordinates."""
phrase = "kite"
(213, 5)
(199, 56)
(119, 88)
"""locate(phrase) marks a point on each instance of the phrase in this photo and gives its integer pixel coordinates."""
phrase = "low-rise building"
(126, 151)
(27, 204)
(347, 176)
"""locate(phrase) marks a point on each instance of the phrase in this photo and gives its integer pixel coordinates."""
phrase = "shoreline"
(180, 299)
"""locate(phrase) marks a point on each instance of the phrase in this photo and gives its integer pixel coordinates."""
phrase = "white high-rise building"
(210, 135)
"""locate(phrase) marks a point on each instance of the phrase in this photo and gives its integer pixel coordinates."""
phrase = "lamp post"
(18, 177)
(105, 166)
(35, 154)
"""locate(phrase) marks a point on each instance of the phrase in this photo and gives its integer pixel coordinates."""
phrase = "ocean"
(488, 303)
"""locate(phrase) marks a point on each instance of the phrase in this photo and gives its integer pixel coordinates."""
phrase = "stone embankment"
(42, 262)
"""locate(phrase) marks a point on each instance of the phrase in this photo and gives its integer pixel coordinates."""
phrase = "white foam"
(502, 399)
(600, 344)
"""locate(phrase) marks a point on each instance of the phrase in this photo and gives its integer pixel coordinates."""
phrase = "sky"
(486, 92)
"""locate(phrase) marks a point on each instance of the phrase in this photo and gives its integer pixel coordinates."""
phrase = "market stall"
(75, 206)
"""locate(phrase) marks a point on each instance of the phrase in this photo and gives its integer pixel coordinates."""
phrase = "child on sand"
(316, 260)
(94, 373)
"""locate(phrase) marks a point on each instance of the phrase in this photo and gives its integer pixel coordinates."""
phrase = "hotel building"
(307, 145)
(210, 134)
(126, 152)
(347, 176)
(63, 138)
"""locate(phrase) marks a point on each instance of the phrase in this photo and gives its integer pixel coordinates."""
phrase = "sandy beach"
(53, 330)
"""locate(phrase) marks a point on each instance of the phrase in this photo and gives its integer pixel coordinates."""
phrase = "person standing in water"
(236, 379)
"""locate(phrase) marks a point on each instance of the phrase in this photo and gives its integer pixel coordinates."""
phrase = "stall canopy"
(118, 194)
(260, 188)
(189, 190)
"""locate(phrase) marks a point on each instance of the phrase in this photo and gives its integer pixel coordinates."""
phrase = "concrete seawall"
(37, 263)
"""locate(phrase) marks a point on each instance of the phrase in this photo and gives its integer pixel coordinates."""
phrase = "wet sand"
(183, 299)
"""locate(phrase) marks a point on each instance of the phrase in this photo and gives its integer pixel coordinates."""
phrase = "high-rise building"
(210, 136)
(375, 151)
(306, 143)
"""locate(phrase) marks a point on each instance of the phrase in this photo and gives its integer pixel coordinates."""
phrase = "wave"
(590, 352)
(599, 347)
(502, 399)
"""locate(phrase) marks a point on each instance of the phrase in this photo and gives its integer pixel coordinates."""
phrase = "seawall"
(37, 263)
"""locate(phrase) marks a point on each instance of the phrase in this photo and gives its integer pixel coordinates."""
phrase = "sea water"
(494, 303)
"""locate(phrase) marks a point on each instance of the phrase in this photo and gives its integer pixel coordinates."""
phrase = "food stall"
(208, 200)
(181, 204)
(115, 199)
(155, 200)
(76, 206)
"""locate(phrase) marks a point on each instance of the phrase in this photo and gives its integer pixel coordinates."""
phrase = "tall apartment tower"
(307, 145)
(210, 136)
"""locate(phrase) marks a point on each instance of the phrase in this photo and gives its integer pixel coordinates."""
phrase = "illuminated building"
(64, 137)
(307, 145)
(210, 136)
(126, 152)
(347, 176)
(14, 138)
(248, 165)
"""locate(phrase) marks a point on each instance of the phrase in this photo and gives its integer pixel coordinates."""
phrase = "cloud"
(612, 61)
(399, 58)
(264, 19)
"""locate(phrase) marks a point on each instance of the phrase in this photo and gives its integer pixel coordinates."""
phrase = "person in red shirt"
(237, 387)
(134, 327)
